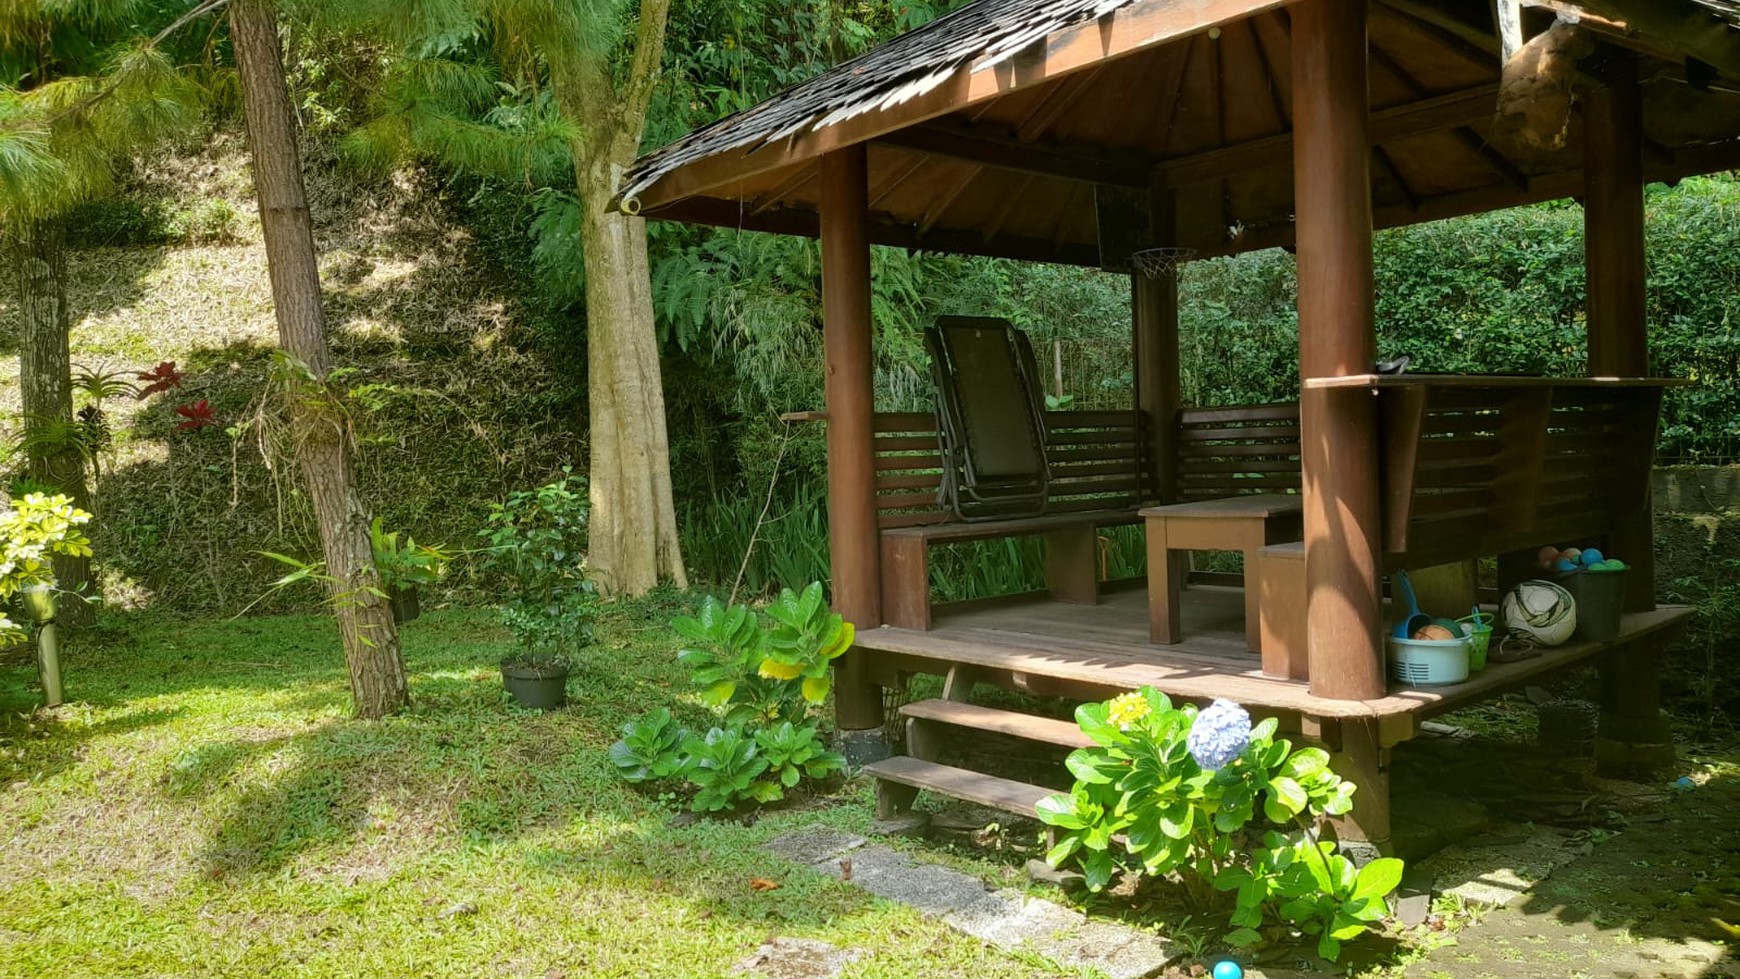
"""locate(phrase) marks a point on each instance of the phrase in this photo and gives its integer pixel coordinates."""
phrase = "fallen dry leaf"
(763, 884)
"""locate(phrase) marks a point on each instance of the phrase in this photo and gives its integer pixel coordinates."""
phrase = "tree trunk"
(633, 531)
(45, 379)
(321, 438)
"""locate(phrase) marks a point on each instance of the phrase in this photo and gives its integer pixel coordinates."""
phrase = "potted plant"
(537, 540)
(404, 567)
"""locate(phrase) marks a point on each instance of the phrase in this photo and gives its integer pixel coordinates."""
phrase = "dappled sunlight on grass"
(209, 808)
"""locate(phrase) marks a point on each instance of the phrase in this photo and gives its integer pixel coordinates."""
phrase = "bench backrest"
(1240, 449)
(1092, 456)
(1471, 470)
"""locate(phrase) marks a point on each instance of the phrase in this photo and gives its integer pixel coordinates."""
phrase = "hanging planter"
(404, 602)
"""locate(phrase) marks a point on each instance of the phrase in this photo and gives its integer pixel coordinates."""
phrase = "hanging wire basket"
(1159, 263)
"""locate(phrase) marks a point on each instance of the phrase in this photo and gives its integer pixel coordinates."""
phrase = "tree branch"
(96, 98)
(643, 75)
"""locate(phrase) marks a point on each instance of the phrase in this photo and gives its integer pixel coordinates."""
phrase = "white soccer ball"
(1539, 613)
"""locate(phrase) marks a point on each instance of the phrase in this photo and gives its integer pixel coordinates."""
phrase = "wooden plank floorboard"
(1106, 645)
(959, 783)
(1027, 726)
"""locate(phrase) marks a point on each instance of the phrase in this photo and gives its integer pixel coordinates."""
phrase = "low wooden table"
(1235, 523)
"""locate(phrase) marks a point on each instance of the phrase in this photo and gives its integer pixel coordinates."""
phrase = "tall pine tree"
(320, 436)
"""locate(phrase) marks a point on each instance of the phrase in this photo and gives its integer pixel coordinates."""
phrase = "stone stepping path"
(1006, 918)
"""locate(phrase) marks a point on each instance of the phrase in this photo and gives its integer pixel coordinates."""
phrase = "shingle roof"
(1728, 10)
(984, 34)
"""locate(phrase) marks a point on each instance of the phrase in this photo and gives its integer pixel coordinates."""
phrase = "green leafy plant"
(805, 641)
(36, 528)
(796, 751)
(762, 674)
(405, 564)
(764, 667)
(1226, 806)
(725, 766)
(537, 540)
(651, 748)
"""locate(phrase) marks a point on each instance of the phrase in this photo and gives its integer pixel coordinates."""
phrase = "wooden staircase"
(933, 726)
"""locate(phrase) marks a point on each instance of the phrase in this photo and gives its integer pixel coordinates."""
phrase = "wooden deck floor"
(1105, 647)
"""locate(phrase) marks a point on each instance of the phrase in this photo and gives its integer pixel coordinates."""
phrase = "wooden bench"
(1100, 475)
(1097, 478)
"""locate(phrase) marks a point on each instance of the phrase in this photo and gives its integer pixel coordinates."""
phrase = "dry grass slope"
(456, 401)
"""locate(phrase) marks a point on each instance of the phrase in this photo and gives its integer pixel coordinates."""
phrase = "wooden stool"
(1236, 523)
(1281, 580)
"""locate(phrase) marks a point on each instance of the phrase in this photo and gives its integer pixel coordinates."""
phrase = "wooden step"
(1014, 724)
(959, 783)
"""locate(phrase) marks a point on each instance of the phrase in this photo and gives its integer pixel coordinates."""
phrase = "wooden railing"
(1473, 466)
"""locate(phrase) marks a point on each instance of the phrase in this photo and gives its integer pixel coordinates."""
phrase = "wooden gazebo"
(1076, 131)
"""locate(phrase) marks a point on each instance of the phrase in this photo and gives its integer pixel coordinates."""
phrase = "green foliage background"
(455, 292)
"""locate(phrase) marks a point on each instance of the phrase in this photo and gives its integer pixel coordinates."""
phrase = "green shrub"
(763, 675)
(1227, 807)
(536, 539)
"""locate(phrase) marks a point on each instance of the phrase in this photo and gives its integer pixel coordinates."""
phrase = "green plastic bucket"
(1478, 627)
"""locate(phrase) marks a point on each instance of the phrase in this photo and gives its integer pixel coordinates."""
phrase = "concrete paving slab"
(797, 958)
(1498, 875)
(1006, 918)
(815, 844)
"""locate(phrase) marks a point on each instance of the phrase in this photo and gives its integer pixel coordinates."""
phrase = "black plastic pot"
(404, 602)
(543, 687)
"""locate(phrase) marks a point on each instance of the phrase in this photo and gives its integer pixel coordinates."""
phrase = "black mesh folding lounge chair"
(990, 418)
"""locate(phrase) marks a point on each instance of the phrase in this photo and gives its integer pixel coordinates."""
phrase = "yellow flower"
(1126, 709)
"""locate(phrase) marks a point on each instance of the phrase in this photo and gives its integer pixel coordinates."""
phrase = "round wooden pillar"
(1332, 186)
(1154, 304)
(853, 545)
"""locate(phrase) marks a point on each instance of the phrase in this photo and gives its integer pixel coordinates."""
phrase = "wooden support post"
(1339, 435)
(1613, 244)
(1359, 751)
(1635, 739)
(1155, 305)
(846, 329)
(1613, 225)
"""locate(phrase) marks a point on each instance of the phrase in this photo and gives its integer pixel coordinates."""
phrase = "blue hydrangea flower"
(1219, 735)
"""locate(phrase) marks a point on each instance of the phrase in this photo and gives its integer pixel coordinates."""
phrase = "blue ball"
(1228, 970)
(1591, 556)
(1564, 564)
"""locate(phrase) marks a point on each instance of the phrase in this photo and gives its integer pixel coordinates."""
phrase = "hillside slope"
(457, 397)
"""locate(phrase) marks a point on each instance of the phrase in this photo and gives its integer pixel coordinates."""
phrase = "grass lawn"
(206, 807)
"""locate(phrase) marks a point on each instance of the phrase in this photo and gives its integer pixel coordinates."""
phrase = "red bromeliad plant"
(159, 379)
(197, 415)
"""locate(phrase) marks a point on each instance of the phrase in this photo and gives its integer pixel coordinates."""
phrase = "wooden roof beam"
(1687, 162)
(1464, 134)
(1471, 43)
(995, 149)
(1417, 118)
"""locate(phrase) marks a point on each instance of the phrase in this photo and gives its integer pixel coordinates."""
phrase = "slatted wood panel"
(1092, 455)
(1236, 450)
(1471, 470)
